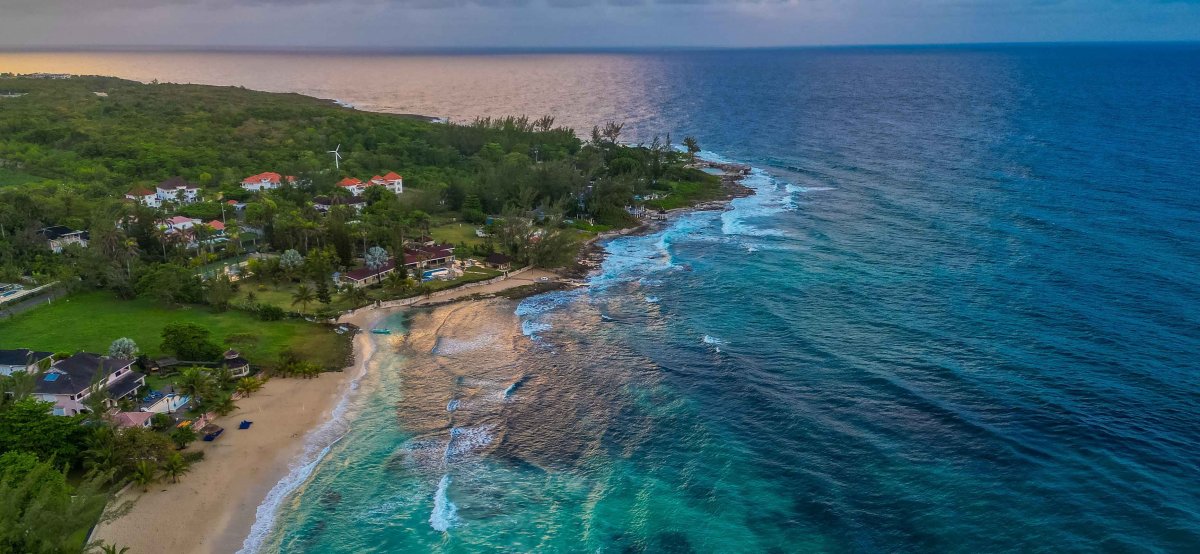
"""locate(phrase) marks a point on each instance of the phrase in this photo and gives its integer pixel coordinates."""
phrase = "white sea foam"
(452, 405)
(317, 445)
(463, 440)
(652, 299)
(712, 341)
(444, 511)
(450, 347)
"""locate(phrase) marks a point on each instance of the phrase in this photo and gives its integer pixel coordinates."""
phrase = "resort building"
(70, 382)
(144, 196)
(265, 181)
(177, 190)
(21, 359)
(416, 259)
(59, 237)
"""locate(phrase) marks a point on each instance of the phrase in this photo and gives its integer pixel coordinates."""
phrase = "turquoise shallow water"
(961, 314)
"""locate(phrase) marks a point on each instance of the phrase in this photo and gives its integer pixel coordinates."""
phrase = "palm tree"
(175, 466)
(145, 474)
(102, 548)
(692, 147)
(356, 296)
(248, 385)
(194, 381)
(224, 406)
(303, 296)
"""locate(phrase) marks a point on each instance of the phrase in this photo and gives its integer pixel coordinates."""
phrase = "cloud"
(420, 24)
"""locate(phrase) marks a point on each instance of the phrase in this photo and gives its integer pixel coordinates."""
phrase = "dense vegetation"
(87, 150)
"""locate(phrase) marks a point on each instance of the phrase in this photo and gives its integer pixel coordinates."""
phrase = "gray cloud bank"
(421, 24)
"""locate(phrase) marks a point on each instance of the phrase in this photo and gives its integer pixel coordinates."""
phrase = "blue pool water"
(962, 314)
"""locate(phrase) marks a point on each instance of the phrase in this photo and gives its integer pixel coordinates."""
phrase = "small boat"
(381, 331)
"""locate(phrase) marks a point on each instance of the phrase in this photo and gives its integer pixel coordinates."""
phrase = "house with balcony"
(265, 181)
(352, 185)
(144, 196)
(390, 181)
(177, 190)
(70, 383)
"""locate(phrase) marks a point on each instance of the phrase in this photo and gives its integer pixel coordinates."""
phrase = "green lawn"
(91, 321)
(456, 233)
(281, 295)
(685, 193)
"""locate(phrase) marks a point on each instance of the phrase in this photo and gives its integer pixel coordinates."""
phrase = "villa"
(390, 181)
(144, 196)
(177, 190)
(70, 382)
(265, 181)
(59, 237)
(126, 420)
(419, 258)
(21, 359)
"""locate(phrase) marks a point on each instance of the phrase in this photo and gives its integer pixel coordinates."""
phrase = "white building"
(177, 190)
(264, 181)
(392, 181)
(144, 197)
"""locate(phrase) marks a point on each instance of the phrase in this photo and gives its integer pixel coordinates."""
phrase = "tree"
(303, 296)
(220, 292)
(190, 342)
(224, 406)
(196, 382)
(323, 295)
(145, 474)
(248, 385)
(692, 146)
(123, 348)
(183, 436)
(356, 296)
(375, 258)
(29, 426)
(175, 466)
(109, 548)
(40, 511)
(290, 262)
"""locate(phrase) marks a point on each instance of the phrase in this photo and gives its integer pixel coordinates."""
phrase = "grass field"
(91, 321)
(281, 294)
(456, 233)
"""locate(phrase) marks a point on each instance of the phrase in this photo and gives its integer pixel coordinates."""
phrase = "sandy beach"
(212, 508)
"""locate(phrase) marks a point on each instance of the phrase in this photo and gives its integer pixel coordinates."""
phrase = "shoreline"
(233, 496)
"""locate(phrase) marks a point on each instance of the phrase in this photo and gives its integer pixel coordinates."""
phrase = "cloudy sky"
(418, 24)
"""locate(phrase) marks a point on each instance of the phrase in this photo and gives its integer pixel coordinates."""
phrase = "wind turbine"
(337, 157)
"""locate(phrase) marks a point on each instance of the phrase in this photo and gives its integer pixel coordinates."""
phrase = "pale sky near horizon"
(417, 24)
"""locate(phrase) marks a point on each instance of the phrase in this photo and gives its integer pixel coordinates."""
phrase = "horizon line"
(398, 50)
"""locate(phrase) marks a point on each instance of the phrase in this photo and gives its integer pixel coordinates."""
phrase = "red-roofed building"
(264, 181)
(364, 276)
(355, 186)
(391, 180)
(217, 226)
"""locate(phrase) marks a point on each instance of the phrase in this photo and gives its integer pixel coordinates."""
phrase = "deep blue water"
(961, 314)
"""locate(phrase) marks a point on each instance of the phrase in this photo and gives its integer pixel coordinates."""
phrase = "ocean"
(961, 314)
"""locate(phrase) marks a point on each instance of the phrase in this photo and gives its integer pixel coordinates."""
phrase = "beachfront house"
(264, 181)
(364, 276)
(58, 237)
(177, 190)
(70, 382)
(21, 359)
(144, 196)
